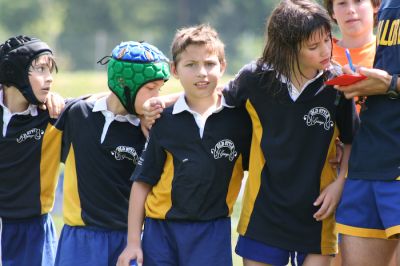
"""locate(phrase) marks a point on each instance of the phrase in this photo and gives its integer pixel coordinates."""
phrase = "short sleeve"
(151, 163)
(347, 120)
(236, 92)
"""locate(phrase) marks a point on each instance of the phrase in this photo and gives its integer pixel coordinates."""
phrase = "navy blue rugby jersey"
(291, 144)
(194, 178)
(97, 175)
(376, 149)
(29, 164)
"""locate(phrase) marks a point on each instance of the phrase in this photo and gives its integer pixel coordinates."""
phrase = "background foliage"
(82, 32)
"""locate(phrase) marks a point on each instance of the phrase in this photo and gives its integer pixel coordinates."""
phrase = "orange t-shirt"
(362, 56)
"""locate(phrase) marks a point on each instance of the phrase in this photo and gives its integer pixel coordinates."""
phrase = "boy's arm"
(330, 196)
(133, 249)
(153, 107)
(54, 104)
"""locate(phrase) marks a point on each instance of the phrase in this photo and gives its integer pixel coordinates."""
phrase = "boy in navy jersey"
(30, 153)
(189, 176)
(368, 215)
(102, 142)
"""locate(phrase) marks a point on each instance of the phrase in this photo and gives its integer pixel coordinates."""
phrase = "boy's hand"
(335, 162)
(131, 252)
(54, 103)
(152, 109)
(329, 198)
(377, 82)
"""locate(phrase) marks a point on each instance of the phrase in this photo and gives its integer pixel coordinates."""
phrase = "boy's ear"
(173, 70)
(223, 66)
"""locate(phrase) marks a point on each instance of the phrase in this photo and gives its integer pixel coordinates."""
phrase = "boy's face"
(40, 77)
(315, 53)
(148, 90)
(354, 17)
(199, 71)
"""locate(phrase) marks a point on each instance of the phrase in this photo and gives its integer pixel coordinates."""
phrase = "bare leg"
(247, 262)
(397, 255)
(317, 260)
(359, 251)
(337, 261)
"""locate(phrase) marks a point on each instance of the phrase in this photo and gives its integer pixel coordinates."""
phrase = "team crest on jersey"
(124, 152)
(34, 133)
(319, 116)
(224, 148)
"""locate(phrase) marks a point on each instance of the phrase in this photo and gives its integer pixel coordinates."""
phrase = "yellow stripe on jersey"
(49, 166)
(256, 165)
(329, 175)
(159, 200)
(234, 184)
(71, 204)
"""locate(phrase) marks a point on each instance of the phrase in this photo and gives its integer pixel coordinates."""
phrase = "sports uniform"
(292, 141)
(30, 154)
(374, 165)
(195, 173)
(100, 151)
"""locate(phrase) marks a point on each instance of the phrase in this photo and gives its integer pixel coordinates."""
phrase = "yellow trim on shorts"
(393, 232)
(361, 232)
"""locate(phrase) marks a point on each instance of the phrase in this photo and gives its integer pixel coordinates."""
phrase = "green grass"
(74, 84)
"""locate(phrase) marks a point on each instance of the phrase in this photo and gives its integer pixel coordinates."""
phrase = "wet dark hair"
(291, 23)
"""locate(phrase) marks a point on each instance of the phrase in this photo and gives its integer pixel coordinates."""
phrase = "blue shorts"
(88, 246)
(187, 243)
(260, 252)
(28, 241)
(369, 208)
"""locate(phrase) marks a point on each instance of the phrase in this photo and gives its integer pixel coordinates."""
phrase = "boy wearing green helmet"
(102, 142)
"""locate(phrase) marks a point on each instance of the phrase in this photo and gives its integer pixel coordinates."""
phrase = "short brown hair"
(329, 6)
(202, 34)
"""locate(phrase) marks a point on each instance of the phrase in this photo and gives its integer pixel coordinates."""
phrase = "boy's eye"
(189, 64)
(38, 69)
(210, 64)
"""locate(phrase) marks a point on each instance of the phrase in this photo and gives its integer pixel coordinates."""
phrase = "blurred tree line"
(82, 32)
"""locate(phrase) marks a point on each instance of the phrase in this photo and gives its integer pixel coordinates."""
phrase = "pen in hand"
(349, 60)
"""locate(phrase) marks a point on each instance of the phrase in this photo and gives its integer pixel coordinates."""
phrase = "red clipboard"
(345, 79)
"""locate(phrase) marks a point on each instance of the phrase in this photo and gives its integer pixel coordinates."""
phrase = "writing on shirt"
(224, 148)
(318, 116)
(388, 32)
(34, 133)
(125, 152)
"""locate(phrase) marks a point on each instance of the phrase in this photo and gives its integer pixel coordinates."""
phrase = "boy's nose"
(202, 71)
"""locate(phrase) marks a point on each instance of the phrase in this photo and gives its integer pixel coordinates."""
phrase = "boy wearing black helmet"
(102, 142)
(27, 138)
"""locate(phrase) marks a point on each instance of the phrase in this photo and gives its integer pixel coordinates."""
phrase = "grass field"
(81, 83)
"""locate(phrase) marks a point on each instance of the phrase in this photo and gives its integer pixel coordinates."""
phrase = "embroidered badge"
(224, 148)
(34, 133)
(124, 152)
(319, 116)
